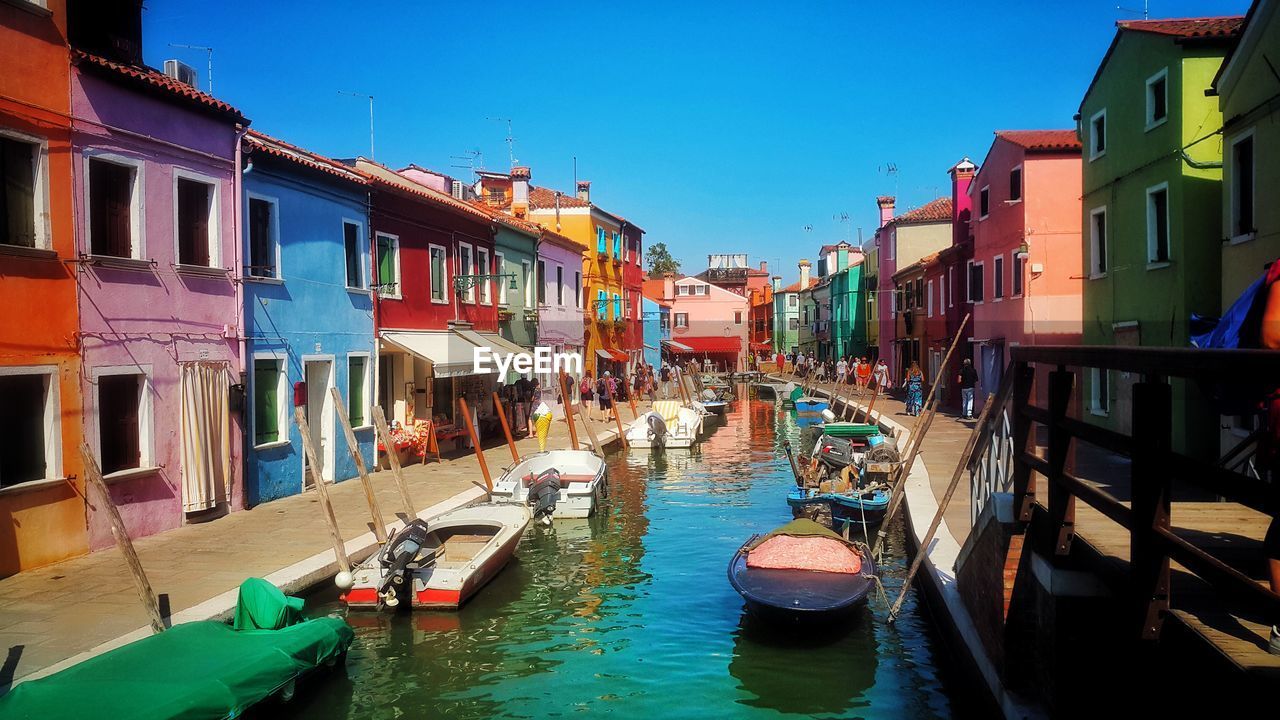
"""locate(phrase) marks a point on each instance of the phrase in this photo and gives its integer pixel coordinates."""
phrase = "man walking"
(968, 380)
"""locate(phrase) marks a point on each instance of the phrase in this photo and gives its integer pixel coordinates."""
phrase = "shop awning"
(496, 343)
(449, 353)
(677, 346)
(707, 345)
(761, 346)
(613, 355)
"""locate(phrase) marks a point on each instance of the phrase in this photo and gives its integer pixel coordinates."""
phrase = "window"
(1158, 224)
(942, 293)
(357, 390)
(197, 221)
(793, 323)
(500, 269)
(1015, 184)
(542, 282)
(929, 306)
(997, 277)
(1098, 134)
(1242, 187)
(353, 253)
(1019, 263)
(617, 306)
(439, 274)
(682, 290)
(1099, 391)
(527, 272)
(264, 238)
(737, 317)
(1098, 242)
(602, 303)
(577, 290)
(122, 411)
(30, 426)
(1157, 99)
(793, 300)
(682, 320)
(977, 281)
(617, 246)
(920, 293)
(601, 244)
(270, 392)
(951, 284)
(389, 265)
(909, 298)
(699, 289)
(466, 265)
(482, 268)
(114, 217)
(22, 197)
(560, 285)
(984, 202)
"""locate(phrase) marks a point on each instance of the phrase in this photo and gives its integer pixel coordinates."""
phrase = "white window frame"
(997, 277)
(1094, 272)
(928, 310)
(1152, 263)
(984, 191)
(482, 264)
(398, 294)
(500, 267)
(361, 242)
(283, 396)
(577, 289)
(1022, 183)
(146, 440)
(1094, 153)
(368, 371)
(677, 320)
(559, 284)
(1099, 392)
(942, 295)
(683, 290)
(40, 186)
(530, 296)
(1232, 212)
(700, 290)
(969, 281)
(466, 252)
(794, 300)
(213, 227)
(1017, 269)
(444, 273)
(951, 283)
(274, 202)
(1149, 102)
(137, 210)
(52, 422)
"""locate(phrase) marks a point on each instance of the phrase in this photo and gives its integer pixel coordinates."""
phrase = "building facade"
(902, 241)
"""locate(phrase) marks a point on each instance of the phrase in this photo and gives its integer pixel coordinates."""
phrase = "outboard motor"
(834, 454)
(543, 490)
(709, 395)
(397, 557)
(657, 430)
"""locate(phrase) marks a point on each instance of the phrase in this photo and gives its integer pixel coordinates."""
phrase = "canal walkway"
(56, 616)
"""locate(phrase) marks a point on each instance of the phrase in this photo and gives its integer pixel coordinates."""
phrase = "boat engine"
(657, 430)
(398, 556)
(543, 490)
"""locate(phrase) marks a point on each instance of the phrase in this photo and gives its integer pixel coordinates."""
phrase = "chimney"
(886, 209)
(520, 177)
(962, 205)
(777, 283)
(804, 274)
(584, 190)
(764, 266)
(668, 286)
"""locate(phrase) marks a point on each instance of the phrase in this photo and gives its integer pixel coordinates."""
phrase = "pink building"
(1024, 278)
(707, 322)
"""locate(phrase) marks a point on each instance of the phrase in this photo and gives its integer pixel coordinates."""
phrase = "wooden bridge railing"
(1153, 463)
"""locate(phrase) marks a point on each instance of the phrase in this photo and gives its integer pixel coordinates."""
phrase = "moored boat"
(667, 425)
(851, 508)
(568, 483)
(439, 564)
(801, 573)
(811, 405)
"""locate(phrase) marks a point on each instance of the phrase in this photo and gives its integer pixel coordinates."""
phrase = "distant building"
(902, 241)
(787, 317)
(707, 322)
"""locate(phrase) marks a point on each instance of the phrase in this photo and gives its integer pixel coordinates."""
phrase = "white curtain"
(206, 436)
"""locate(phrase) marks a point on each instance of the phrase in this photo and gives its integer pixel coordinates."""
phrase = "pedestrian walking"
(606, 390)
(968, 381)
(881, 376)
(915, 389)
(586, 390)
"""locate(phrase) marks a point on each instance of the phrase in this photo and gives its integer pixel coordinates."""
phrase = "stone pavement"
(57, 615)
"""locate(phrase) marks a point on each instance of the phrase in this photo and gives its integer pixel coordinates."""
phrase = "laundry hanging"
(206, 436)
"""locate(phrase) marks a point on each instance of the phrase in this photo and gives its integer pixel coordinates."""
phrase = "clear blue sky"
(716, 127)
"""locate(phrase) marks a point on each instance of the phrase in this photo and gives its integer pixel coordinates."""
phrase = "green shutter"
(355, 391)
(600, 241)
(386, 266)
(266, 399)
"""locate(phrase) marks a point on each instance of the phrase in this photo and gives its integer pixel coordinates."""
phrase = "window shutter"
(266, 398)
(193, 223)
(261, 262)
(351, 245)
(355, 392)
(118, 398)
(17, 193)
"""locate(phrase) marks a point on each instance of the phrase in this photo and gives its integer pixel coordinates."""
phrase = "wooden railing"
(1154, 465)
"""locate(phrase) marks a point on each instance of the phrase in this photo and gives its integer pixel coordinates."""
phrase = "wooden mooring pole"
(393, 459)
(322, 490)
(506, 429)
(568, 409)
(475, 442)
(353, 447)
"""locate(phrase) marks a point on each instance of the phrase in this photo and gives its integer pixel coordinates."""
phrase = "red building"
(947, 282)
(633, 285)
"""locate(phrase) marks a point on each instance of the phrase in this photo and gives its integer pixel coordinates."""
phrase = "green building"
(786, 311)
(848, 305)
(516, 248)
(1152, 202)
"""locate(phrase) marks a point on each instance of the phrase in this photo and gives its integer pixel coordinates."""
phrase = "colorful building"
(902, 241)
(871, 290)
(308, 315)
(42, 513)
(806, 339)
(1152, 205)
(1025, 272)
(910, 331)
(657, 328)
(708, 323)
(760, 335)
(843, 265)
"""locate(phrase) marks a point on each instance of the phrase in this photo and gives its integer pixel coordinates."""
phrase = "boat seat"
(564, 479)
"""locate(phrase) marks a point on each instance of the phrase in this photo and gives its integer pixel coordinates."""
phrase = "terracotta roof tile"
(545, 199)
(158, 81)
(1042, 140)
(266, 144)
(938, 210)
(795, 286)
(382, 175)
(1201, 27)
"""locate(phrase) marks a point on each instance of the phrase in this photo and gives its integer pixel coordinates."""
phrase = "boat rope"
(880, 593)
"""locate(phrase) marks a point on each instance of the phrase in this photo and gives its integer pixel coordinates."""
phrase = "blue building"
(308, 315)
(657, 327)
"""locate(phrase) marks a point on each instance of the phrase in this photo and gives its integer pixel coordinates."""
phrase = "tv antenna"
(362, 95)
(890, 170)
(208, 56)
(511, 141)
(1146, 10)
(473, 159)
(843, 219)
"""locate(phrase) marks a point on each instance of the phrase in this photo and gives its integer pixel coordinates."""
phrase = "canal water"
(630, 613)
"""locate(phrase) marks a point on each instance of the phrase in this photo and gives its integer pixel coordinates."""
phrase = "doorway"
(320, 417)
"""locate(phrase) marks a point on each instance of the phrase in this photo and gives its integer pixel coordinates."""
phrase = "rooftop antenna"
(1146, 10)
(208, 55)
(891, 169)
(575, 172)
(473, 158)
(362, 95)
(511, 141)
(843, 219)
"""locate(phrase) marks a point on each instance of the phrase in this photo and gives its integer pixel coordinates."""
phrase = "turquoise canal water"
(630, 613)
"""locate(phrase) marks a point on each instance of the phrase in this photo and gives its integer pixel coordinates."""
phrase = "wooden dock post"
(322, 490)
(393, 459)
(93, 476)
(617, 418)
(568, 409)
(506, 429)
(631, 398)
(353, 447)
(591, 436)
(475, 442)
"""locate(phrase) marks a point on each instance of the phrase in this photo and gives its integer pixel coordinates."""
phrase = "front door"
(320, 418)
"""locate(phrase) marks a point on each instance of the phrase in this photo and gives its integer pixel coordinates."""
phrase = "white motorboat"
(667, 425)
(439, 563)
(556, 483)
(779, 391)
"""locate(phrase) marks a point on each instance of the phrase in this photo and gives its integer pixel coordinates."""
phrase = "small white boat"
(667, 425)
(439, 563)
(579, 481)
(779, 391)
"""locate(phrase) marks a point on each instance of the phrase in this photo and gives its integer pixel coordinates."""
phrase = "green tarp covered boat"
(192, 670)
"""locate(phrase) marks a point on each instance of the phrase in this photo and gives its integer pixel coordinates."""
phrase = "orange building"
(42, 513)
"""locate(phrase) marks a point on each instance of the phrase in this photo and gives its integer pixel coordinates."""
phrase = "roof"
(275, 147)
(1252, 30)
(382, 175)
(918, 265)
(795, 286)
(147, 78)
(1042, 140)
(937, 210)
(545, 199)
